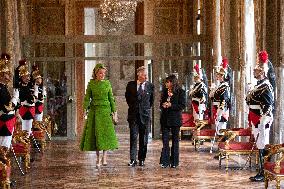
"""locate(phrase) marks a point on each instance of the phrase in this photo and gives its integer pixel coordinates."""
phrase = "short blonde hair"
(97, 68)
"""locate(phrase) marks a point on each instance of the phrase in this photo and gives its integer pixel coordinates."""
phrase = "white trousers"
(27, 125)
(201, 109)
(263, 137)
(219, 126)
(6, 141)
(38, 117)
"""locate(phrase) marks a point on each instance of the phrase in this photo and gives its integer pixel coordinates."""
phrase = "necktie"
(140, 91)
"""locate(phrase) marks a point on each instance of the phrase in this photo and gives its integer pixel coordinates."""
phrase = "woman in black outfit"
(172, 104)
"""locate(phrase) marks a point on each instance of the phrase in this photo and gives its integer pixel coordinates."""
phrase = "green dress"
(99, 133)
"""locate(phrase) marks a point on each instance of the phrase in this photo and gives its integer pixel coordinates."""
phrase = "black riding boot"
(259, 177)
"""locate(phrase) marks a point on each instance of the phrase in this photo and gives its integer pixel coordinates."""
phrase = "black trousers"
(170, 156)
(137, 128)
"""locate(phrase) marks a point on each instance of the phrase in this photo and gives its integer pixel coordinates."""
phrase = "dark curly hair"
(173, 79)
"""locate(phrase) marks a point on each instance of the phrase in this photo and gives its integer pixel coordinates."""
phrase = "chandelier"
(116, 14)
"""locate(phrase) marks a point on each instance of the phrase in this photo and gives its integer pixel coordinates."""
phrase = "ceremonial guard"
(6, 57)
(39, 104)
(7, 106)
(17, 79)
(221, 98)
(260, 101)
(28, 94)
(198, 95)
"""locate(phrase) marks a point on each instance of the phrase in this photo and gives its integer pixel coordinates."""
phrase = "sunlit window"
(250, 41)
(90, 48)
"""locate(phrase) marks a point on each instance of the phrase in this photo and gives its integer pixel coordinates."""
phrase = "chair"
(232, 147)
(200, 133)
(5, 168)
(187, 123)
(21, 147)
(48, 125)
(274, 170)
(38, 132)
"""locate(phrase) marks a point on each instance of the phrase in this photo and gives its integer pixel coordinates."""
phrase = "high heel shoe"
(104, 162)
(98, 163)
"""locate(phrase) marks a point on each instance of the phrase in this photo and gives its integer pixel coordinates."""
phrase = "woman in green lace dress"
(99, 134)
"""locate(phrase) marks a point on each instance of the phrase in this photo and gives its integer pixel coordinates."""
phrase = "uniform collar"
(261, 81)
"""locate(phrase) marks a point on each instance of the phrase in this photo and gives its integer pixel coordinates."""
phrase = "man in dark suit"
(139, 97)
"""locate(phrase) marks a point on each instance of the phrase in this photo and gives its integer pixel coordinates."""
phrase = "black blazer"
(171, 117)
(143, 107)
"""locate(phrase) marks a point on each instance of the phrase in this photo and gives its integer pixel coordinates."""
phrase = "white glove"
(219, 113)
(115, 117)
(201, 107)
(36, 91)
(264, 120)
(44, 92)
(16, 96)
(16, 93)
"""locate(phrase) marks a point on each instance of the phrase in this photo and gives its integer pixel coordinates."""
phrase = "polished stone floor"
(62, 165)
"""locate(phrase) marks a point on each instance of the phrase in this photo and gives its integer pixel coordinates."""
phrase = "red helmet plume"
(225, 63)
(263, 56)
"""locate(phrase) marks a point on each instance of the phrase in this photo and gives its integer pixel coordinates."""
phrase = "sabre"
(251, 151)
(47, 133)
(35, 142)
(213, 142)
(18, 164)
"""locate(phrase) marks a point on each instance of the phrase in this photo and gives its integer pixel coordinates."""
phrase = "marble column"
(24, 28)
(272, 45)
(260, 23)
(2, 24)
(156, 107)
(12, 31)
(237, 63)
(23, 18)
(217, 37)
(281, 74)
(70, 69)
(275, 45)
(208, 23)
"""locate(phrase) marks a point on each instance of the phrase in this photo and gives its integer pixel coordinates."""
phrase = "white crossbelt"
(256, 107)
(27, 104)
(9, 113)
(216, 103)
(196, 99)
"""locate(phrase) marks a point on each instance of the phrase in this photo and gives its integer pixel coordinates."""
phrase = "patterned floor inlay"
(63, 166)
